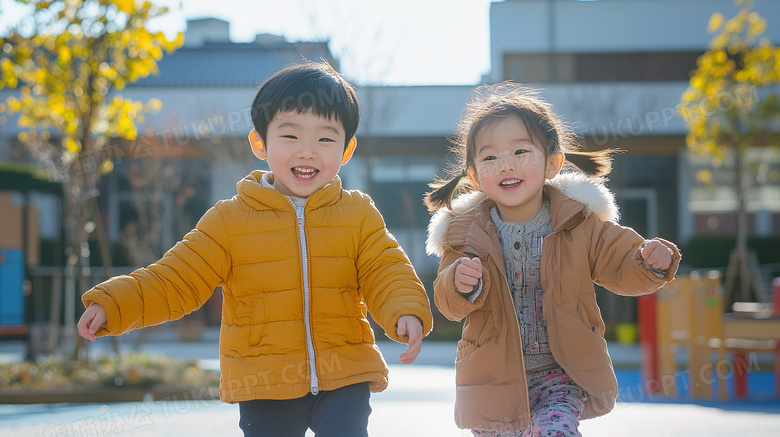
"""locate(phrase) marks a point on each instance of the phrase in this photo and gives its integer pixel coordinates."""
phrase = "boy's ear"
(349, 151)
(257, 144)
(554, 164)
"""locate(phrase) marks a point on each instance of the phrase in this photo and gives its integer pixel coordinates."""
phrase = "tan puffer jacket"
(586, 246)
(296, 287)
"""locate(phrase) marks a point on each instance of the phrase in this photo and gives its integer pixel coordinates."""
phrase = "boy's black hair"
(313, 86)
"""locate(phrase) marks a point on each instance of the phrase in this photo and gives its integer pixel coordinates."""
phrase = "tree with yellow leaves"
(730, 107)
(68, 60)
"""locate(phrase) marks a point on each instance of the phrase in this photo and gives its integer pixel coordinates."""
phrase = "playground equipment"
(18, 236)
(687, 314)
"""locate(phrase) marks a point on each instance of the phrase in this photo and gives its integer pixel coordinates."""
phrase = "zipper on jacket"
(520, 338)
(306, 298)
(551, 320)
(517, 323)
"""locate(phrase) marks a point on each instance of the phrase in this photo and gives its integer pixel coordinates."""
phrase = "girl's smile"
(511, 168)
(510, 183)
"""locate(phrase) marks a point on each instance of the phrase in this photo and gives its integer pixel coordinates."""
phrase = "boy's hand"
(92, 320)
(467, 274)
(411, 326)
(656, 255)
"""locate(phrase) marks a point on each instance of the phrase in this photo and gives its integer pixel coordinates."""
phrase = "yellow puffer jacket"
(294, 297)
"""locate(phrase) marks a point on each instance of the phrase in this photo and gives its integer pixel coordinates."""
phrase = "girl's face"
(511, 168)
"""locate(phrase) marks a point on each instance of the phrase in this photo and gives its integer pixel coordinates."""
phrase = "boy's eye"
(489, 158)
(520, 151)
(327, 140)
(292, 137)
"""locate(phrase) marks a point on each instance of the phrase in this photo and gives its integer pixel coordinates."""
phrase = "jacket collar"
(255, 195)
(573, 197)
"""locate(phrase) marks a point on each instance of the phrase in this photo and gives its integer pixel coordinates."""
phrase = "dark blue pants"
(337, 413)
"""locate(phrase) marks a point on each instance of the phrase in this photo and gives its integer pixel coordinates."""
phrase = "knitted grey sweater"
(521, 246)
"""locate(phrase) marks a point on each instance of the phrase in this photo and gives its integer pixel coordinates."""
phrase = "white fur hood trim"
(591, 192)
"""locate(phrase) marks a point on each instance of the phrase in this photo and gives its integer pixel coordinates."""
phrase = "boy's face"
(303, 151)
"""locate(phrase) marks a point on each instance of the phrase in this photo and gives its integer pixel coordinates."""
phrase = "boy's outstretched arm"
(410, 328)
(93, 319)
(176, 285)
(387, 280)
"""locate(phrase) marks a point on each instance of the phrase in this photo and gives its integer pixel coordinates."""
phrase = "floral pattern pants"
(556, 406)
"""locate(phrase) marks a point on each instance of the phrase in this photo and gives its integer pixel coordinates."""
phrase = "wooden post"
(669, 334)
(56, 307)
(648, 338)
(776, 311)
(699, 361)
(740, 374)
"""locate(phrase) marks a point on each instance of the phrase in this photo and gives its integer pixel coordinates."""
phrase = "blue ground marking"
(761, 390)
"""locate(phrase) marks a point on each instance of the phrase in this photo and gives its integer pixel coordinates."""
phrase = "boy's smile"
(304, 151)
(304, 172)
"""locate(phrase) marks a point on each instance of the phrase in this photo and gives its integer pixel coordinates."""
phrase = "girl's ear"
(257, 145)
(554, 164)
(472, 175)
(349, 151)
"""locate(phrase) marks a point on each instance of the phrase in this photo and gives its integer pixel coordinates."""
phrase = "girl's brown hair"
(495, 102)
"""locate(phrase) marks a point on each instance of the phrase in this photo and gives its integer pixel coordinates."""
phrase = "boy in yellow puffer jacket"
(300, 261)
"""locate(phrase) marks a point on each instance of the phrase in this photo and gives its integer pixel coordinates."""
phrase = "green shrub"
(713, 251)
(134, 370)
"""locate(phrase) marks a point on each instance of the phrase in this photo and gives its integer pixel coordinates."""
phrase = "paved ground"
(418, 402)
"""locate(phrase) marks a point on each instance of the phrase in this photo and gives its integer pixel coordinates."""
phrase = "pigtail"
(561, 138)
(594, 164)
(442, 193)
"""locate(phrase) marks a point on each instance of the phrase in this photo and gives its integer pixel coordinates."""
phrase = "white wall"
(426, 111)
(385, 111)
(592, 108)
(193, 112)
(617, 109)
(411, 111)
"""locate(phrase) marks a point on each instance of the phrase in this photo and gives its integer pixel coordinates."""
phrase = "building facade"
(613, 69)
(616, 70)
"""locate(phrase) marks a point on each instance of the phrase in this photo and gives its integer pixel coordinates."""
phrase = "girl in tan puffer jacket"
(520, 251)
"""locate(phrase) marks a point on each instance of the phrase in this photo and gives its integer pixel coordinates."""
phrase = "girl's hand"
(412, 327)
(93, 319)
(656, 255)
(467, 274)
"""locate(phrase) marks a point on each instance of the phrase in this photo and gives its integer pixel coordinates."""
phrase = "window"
(398, 186)
(600, 67)
(713, 188)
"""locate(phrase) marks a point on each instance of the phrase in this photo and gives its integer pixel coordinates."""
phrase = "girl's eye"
(520, 151)
(489, 158)
(292, 137)
(327, 140)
